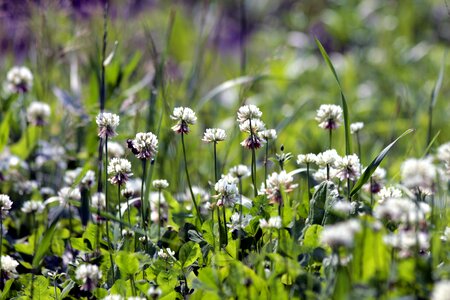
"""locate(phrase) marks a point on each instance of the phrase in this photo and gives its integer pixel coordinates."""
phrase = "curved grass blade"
(44, 244)
(431, 144)
(227, 85)
(344, 101)
(434, 96)
(374, 165)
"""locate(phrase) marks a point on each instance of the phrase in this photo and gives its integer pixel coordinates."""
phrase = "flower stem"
(238, 244)
(216, 175)
(225, 234)
(1, 246)
(309, 181)
(159, 214)
(108, 238)
(189, 179)
(33, 216)
(255, 187)
(265, 163)
(120, 210)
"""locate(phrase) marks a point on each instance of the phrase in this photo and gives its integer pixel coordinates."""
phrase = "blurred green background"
(388, 55)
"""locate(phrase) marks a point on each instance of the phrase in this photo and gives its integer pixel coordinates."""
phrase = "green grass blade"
(431, 143)
(4, 130)
(344, 101)
(374, 164)
(434, 96)
(44, 244)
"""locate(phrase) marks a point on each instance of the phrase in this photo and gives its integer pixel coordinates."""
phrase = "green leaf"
(44, 245)
(4, 130)
(6, 289)
(127, 262)
(27, 142)
(319, 203)
(344, 101)
(374, 164)
(189, 253)
(65, 292)
(312, 237)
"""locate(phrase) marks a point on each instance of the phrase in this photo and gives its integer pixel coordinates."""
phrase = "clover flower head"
(5, 205)
(340, 234)
(328, 157)
(89, 275)
(9, 265)
(240, 171)
(274, 222)
(38, 113)
(66, 193)
(418, 174)
(154, 292)
(269, 134)
(441, 290)
(113, 297)
(278, 182)
(347, 167)
(107, 124)
(33, 207)
(185, 117)
(166, 253)
(329, 116)
(227, 190)
(160, 184)
(214, 135)
(306, 158)
(98, 201)
(145, 145)
(443, 152)
(88, 179)
(356, 127)
(248, 112)
(252, 126)
(120, 170)
(19, 80)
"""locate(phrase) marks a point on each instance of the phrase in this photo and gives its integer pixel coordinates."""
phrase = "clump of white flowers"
(238, 222)
(377, 181)
(408, 241)
(154, 292)
(5, 205)
(329, 116)
(184, 117)
(389, 192)
(347, 167)
(356, 127)
(214, 135)
(443, 152)
(98, 201)
(166, 253)
(113, 297)
(418, 174)
(120, 170)
(144, 145)
(240, 171)
(227, 190)
(274, 223)
(107, 124)
(278, 182)
(38, 113)
(9, 265)
(268, 134)
(306, 158)
(115, 149)
(89, 275)
(327, 158)
(160, 184)
(248, 117)
(340, 234)
(402, 210)
(32, 207)
(19, 80)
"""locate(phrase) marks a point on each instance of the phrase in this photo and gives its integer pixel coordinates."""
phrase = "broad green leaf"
(127, 262)
(344, 101)
(6, 288)
(44, 245)
(318, 205)
(189, 253)
(167, 280)
(374, 165)
(4, 130)
(27, 142)
(312, 237)
(65, 292)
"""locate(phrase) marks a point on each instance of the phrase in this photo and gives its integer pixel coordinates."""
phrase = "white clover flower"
(389, 192)
(321, 174)
(340, 234)
(274, 222)
(443, 152)
(214, 135)
(115, 149)
(446, 235)
(136, 298)
(66, 193)
(144, 145)
(127, 233)
(401, 210)
(248, 112)
(33, 206)
(38, 113)
(98, 201)
(5, 205)
(120, 170)
(252, 126)
(278, 182)
(166, 253)
(227, 190)
(107, 123)
(407, 240)
(240, 171)
(309, 158)
(356, 127)
(185, 117)
(329, 116)
(235, 221)
(113, 297)
(89, 275)
(19, 80)
(9, 265)
(418, 174)
(328, 157)
(343, 207)
(71, 175)
(347, 167)
(88, 179)
(160, 184)
(154, 292)
(269, 134)
(441, 290)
